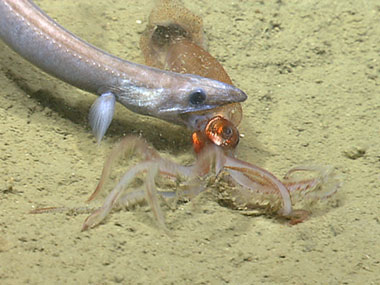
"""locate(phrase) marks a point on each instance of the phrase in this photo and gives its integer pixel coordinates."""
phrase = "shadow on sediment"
(162, 135)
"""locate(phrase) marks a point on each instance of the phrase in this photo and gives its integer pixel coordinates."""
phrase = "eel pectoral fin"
(101, 114)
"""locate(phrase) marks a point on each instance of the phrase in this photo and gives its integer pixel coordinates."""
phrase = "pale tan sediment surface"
(311, 71)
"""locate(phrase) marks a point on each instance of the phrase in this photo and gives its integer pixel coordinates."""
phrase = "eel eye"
(197, 97)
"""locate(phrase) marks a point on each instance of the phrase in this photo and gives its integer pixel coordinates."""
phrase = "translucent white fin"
(101, 114)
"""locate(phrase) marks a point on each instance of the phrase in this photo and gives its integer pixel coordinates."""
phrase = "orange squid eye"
(222, 132)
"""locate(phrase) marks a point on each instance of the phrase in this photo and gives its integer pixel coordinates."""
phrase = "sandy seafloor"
(312, 73)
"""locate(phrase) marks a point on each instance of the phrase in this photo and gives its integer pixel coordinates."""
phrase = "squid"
(174, 40)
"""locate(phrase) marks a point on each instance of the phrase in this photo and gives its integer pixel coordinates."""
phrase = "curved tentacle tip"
(101, 114)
